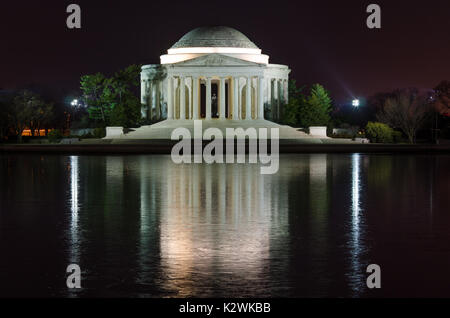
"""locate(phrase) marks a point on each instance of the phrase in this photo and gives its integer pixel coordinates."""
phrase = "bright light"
(355, 103)
(209, 50)
(74, 102)
(188, 53)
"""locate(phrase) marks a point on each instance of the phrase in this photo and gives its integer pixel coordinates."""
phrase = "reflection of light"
(74, 187)
(355, 196)
(355, 245)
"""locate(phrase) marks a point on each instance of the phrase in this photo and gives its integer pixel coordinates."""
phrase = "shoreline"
(165, 147)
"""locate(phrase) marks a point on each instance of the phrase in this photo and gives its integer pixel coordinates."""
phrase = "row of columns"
(277, 93)
(151, 91)
(233, 102)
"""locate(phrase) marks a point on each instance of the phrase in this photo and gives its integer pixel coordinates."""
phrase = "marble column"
(286, 91)
(195, 108)
(169, 97)
(222, 98)
(236, 108)
(189, 101)
(182, 98)
(176, 97)
(208, 98)
(260, 110)
(276, 98)
(143, 93)
(144, 98)
(151, 99)
(158, 100)
(248, 99)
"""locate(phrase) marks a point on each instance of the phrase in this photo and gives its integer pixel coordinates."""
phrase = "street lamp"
(355, 103)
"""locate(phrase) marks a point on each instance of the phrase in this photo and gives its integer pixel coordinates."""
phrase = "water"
(141, 226)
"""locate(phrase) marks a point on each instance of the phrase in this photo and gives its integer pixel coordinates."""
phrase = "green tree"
(113, 100)
(93, 87)
(316, 109)
(126, 114)
(379, 132)
(290, 113)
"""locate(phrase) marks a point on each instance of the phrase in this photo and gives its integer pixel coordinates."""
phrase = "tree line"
(26, 109)
(405, 111)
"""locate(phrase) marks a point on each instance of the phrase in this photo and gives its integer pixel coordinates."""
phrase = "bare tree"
(406, 110)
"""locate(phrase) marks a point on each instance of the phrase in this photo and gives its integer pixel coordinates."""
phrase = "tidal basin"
(142, 226)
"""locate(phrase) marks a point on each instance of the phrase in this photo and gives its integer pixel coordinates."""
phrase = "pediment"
(216, 60)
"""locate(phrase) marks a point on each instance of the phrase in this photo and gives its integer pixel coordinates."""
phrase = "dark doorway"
(202, 100)
(214, 100)
(226, 101)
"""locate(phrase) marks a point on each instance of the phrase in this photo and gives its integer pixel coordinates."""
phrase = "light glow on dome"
(209, 50)
(177, 58)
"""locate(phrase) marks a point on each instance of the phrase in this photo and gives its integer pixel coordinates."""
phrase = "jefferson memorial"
(217, 75)
(213, 72)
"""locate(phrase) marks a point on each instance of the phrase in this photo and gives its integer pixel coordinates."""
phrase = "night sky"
(321, 41)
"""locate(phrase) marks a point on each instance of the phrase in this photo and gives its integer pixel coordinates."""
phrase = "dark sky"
(321, 41)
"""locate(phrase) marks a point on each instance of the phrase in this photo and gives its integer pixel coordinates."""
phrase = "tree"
(291, 110)
(113, 100)
(126, 114)
(22, 110)
(442, 98)
(406, 110)
(93, 87)
(379, 132)
(316, 109)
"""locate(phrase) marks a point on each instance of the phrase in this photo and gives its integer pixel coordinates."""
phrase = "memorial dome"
(214, 36)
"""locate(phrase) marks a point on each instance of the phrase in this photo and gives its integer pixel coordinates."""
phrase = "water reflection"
(143, 226)
(356, 248)
(74, 209)
(216, 224)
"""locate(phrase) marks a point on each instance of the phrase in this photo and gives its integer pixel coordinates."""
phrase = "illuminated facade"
(214, 72)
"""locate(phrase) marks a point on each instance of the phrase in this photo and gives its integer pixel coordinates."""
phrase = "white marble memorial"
(213, 72)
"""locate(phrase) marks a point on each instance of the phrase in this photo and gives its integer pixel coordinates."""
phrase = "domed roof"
(214, 36)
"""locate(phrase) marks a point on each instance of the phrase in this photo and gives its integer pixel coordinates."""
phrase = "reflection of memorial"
(218, 219)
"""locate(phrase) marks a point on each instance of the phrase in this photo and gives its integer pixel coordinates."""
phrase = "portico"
(193, 97)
